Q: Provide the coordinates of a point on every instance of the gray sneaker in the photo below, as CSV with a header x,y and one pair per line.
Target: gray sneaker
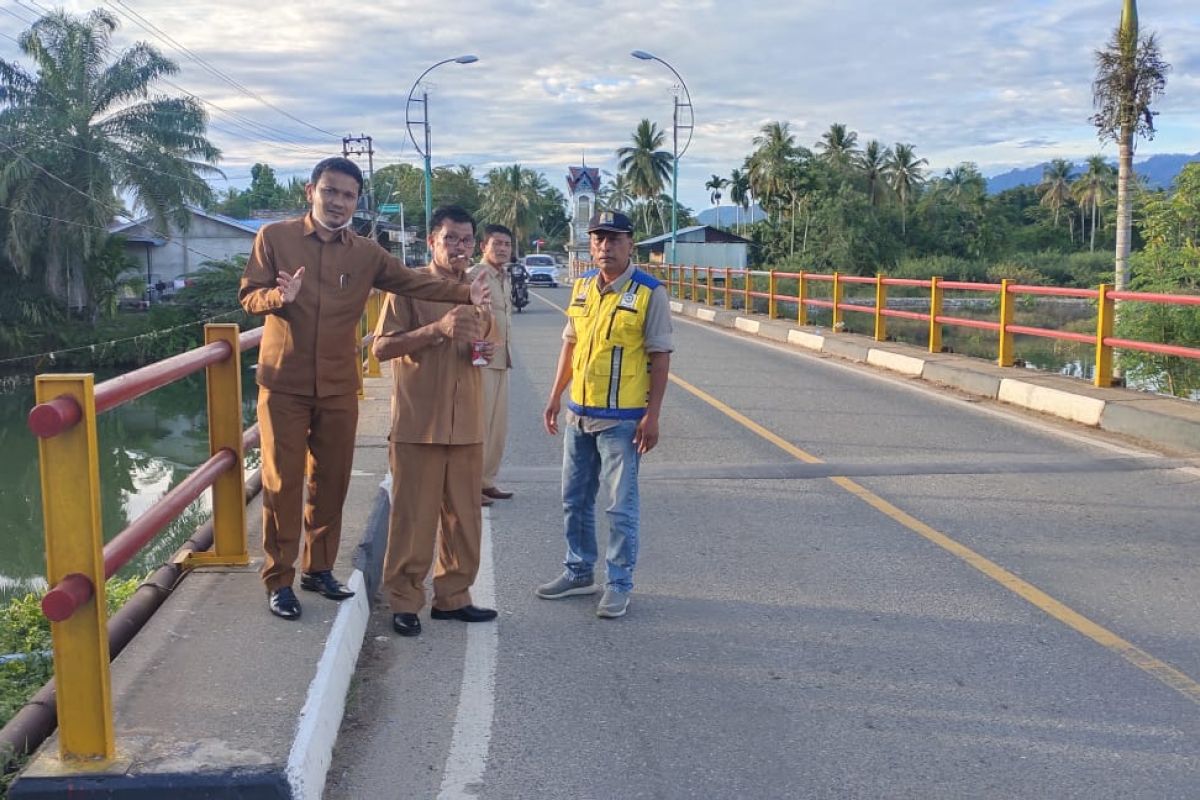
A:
x,y
566,586
613,604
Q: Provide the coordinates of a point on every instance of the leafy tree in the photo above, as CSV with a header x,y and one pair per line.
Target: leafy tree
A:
x,y
646,166
1130,75
905,173
739,193
714,185
616,194
768,165
111,274
838,147
512,198
1092,189
1055,188
873,165
83,129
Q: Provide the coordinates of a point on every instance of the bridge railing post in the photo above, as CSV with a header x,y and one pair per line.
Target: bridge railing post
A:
x,y
708,284
695,294
1106,312
836,323
224,381
771,294
747,301
70,476
935,311
728,288
374,308
1006,357
802,298
880,305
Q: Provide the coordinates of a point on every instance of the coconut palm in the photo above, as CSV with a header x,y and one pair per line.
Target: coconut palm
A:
x,y
512,198
1092,189
1130,75
872,162
616,194
646,166
775,147
905,173
714,185
739,193
82,130
838,146
1055,188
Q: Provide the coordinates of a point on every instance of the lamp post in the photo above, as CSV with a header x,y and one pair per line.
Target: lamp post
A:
x,y
423,100
676,153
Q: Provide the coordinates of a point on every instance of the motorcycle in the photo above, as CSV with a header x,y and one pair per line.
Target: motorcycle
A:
x,y
520,285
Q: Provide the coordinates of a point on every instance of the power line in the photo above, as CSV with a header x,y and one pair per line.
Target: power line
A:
x,y
11,13
164,36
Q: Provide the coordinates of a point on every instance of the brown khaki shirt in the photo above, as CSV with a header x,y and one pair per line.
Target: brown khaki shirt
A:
x,y
500,284
437,395
310,346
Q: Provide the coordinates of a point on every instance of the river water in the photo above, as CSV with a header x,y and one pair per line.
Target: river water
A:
x,y
145,448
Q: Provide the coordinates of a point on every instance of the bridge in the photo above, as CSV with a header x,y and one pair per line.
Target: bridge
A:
x,y
866,571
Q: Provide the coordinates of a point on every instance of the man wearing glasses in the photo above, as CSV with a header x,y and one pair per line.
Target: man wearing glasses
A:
x,y
436,439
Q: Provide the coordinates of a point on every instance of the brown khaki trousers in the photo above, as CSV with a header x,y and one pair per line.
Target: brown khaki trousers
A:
x,y
435,496
303,434
495,422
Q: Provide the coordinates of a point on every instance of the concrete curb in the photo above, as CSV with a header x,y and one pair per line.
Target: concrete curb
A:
x,y
321,717
1162,421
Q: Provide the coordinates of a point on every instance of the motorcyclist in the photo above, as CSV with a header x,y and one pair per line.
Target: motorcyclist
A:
x,y
519,277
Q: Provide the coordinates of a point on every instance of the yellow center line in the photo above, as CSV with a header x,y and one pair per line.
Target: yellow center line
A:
x,y
1023,589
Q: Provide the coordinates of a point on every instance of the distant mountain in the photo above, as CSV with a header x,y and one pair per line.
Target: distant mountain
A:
x,y
728,216
1159,171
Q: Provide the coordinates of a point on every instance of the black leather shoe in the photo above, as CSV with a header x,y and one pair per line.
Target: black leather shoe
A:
x,y
406,624
466,614
325,584
497,493
283,603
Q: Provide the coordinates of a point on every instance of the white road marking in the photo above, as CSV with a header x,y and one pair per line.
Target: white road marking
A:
x,y
462,778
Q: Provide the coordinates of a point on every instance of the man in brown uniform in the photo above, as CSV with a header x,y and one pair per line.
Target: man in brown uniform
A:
x,y
497,250
437,438
308,371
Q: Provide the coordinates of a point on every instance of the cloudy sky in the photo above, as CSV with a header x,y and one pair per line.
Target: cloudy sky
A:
x,y
1002,84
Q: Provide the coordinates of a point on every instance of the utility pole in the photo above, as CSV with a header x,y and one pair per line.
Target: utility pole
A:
x,y
362,144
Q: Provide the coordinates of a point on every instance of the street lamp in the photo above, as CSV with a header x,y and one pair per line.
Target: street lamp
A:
x,y
424,122
676,153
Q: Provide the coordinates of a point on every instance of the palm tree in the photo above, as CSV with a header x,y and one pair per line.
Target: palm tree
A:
x,y
82,131
873,163
1092,189
1130,75
616,194
838,146
646,166
511,198
739,193
905,173
1055,187
714,185
768,164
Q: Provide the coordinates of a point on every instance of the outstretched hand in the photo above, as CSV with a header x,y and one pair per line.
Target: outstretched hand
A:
x,y
289,285
481,295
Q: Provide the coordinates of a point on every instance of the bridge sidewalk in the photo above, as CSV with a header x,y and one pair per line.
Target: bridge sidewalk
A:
x,y
215,697
1163,422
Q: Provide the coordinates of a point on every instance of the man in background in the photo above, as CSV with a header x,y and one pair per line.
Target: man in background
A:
x,y
497,250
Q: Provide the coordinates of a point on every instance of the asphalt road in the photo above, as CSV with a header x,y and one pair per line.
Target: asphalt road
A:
x,y
988,605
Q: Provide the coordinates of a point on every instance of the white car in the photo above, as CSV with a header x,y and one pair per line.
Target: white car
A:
x,y
543,270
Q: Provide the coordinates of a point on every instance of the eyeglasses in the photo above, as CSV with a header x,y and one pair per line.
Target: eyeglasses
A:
x,y
462,240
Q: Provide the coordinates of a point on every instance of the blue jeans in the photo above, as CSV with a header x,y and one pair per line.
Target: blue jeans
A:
x,y
606,461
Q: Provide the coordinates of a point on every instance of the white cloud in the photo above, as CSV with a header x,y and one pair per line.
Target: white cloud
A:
x,y
998,82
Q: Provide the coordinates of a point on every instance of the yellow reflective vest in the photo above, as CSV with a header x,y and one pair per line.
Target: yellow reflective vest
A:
x,y
610,369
